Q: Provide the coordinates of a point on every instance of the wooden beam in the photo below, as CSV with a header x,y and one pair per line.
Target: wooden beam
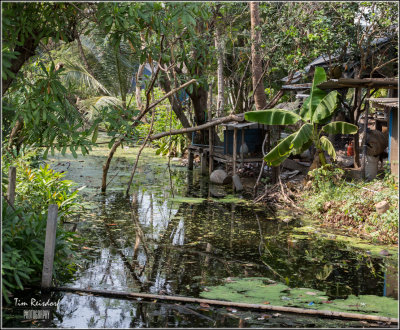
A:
x,y
284,309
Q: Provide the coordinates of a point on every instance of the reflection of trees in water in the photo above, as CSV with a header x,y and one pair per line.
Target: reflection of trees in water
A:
x,y
325,265
179,269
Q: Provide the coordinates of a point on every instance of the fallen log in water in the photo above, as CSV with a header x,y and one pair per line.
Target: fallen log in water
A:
x,y
135,295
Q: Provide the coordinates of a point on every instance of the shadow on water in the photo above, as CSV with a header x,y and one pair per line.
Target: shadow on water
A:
x,y
155,243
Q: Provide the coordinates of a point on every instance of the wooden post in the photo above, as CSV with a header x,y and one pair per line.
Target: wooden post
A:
x,y
49,247
242,153
234,149
363,165
204,163
211,154
191,158
12,179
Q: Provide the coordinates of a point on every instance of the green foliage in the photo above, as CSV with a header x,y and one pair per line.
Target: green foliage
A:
x,y
49,119
32,22
318,108
344,204
23,230
164,120
325,177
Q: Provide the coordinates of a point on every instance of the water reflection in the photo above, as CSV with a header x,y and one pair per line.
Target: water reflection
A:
x,y
148,243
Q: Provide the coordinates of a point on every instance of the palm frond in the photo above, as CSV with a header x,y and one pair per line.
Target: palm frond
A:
x,y
78,73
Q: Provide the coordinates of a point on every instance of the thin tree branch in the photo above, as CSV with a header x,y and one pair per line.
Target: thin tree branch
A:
x,y
200,127
140,151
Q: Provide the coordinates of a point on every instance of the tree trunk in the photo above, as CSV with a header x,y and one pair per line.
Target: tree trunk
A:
x,y
219,45
106,166
199,101
26,51
15,131
121,80
138,93
356,117
175,104
260,99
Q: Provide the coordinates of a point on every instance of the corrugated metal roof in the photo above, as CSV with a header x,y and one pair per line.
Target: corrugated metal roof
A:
x,y
297,86
386,102
240,125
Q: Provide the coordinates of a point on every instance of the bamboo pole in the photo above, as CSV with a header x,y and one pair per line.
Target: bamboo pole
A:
x,y
135,295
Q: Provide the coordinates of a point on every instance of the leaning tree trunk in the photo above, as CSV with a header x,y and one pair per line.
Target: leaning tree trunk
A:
x,y
175,104
260,98
106,166
25,51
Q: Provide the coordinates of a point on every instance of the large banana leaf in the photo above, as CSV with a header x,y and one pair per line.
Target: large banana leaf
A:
x,y
278,154
303,135
303,148
273,117
276,162
316,95
327,146
340,127
325,108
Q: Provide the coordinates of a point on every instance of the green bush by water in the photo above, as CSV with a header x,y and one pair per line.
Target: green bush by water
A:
x,y
352,204
24,227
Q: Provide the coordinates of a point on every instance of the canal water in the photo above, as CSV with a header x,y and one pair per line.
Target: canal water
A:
x,y
172,236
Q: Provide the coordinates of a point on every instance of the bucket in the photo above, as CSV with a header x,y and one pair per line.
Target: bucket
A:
x,y
371,167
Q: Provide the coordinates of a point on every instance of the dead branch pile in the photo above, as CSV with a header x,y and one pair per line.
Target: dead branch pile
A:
x,y
278,195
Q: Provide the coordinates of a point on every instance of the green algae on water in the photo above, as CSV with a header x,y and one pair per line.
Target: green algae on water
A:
x,y
189,200
229,199
260,290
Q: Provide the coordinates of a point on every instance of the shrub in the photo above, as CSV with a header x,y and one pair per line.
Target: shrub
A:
x,y
343,204
24,226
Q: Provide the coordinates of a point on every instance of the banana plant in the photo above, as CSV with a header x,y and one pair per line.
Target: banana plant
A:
x,y
317,110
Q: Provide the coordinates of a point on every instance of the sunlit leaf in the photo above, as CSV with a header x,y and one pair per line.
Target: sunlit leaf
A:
x,y
340,127
273,117
327,146
326,107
